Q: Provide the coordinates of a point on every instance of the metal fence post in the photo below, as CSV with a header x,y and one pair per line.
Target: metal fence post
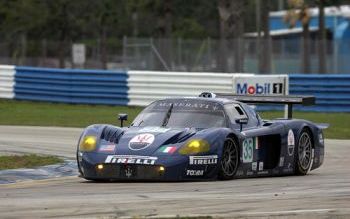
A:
x,y
125,42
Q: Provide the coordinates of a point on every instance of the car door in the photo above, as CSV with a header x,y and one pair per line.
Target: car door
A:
x,y
261,148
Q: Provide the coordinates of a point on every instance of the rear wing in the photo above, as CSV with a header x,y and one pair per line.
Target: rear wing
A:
x,y
288,100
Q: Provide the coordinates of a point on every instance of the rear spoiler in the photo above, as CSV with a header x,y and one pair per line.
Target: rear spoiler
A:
x,y
322,125
289,100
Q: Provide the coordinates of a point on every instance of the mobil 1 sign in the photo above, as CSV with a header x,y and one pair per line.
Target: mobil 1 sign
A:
x,y
261,84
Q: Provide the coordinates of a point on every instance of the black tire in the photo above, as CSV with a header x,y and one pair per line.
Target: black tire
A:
x,y
229,160
303,153
77,157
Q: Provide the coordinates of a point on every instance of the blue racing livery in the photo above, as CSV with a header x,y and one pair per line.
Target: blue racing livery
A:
x,y
199,138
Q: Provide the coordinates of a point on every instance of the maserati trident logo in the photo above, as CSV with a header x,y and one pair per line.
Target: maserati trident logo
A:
x,y
141,141
128,172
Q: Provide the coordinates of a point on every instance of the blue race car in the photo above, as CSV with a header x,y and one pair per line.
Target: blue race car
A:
x,y
213,136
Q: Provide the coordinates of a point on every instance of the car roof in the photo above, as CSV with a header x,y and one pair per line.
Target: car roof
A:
x,y
215,100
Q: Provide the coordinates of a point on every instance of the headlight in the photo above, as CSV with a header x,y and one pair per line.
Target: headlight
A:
x,y
88,143
195,146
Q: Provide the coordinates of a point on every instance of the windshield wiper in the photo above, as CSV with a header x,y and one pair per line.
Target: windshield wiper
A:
x,y
167,115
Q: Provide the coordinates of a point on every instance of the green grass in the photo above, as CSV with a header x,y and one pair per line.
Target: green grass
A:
x,y
76,115
26,161
56,114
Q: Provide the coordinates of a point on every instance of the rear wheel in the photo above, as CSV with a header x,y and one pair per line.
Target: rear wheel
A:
x,y
304,153
229,160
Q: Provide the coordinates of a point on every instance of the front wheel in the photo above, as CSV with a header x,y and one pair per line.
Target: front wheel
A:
x,y
229,160
304,153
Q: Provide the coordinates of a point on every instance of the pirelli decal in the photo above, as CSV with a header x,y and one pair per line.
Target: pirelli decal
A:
x,y
131,159
203,160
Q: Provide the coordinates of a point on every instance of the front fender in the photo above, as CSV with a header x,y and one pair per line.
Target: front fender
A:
x,y
99,131
216,138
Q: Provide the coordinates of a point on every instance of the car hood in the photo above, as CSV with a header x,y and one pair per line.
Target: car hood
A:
x,y
147,140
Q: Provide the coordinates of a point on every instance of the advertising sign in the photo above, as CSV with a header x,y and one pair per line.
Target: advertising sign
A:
x,y
78,53
260,84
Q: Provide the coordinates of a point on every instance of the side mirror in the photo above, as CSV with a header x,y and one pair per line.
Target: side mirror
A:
x,y
241,122
122,117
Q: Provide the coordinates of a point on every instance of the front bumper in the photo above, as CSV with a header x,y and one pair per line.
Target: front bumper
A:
x,y
165,169
125,172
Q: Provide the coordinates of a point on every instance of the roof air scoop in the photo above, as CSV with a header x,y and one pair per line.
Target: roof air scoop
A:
x,y
207,95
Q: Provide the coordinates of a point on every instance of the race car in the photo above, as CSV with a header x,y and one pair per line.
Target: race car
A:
x,y
213,136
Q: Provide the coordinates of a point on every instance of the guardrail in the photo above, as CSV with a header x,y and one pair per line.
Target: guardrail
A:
x,y
332,91
71,86
7,82
148,86
139,88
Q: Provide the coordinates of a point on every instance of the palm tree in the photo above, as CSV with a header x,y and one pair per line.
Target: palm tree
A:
x,y
299,12
322,31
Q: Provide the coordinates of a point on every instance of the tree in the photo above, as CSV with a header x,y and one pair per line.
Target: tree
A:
x,y
20,18
61,24
195,19
322,62
231,29
164,31
103,17
265,52
299,12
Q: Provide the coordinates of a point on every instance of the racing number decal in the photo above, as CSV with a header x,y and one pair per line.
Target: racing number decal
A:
x,y
248,147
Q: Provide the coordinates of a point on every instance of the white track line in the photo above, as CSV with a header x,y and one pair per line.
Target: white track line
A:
x,y
291,211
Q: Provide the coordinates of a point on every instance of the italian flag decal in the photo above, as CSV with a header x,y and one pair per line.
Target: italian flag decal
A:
x,y
167,149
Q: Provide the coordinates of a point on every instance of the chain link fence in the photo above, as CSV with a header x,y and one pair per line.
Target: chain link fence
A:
x,y
209,55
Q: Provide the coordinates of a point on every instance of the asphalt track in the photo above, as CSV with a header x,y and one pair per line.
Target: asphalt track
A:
x,y
324,193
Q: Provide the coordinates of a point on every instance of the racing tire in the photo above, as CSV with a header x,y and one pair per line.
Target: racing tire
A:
x,y
303,154
229,160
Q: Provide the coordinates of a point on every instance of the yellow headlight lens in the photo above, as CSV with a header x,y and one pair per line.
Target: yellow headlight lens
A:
x,y
88,143
195,146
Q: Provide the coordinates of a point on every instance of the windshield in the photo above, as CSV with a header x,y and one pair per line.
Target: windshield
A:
x,y
182,113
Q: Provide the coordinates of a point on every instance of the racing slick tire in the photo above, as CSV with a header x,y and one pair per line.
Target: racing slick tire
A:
x,y
229,160
303,156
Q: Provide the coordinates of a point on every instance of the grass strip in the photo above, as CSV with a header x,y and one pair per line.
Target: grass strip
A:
x,y
27,161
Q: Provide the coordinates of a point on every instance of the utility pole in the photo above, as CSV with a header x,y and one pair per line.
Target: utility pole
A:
x,y
258,25
322,67
265,49
280,5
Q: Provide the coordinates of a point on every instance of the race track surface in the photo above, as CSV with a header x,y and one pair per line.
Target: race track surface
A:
x,y
323,193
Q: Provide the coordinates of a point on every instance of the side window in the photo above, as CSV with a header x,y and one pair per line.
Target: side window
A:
x,y
253,118
234,111
239,110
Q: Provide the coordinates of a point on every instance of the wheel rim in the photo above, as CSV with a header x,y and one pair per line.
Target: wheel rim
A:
x,y
304,150
229,159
